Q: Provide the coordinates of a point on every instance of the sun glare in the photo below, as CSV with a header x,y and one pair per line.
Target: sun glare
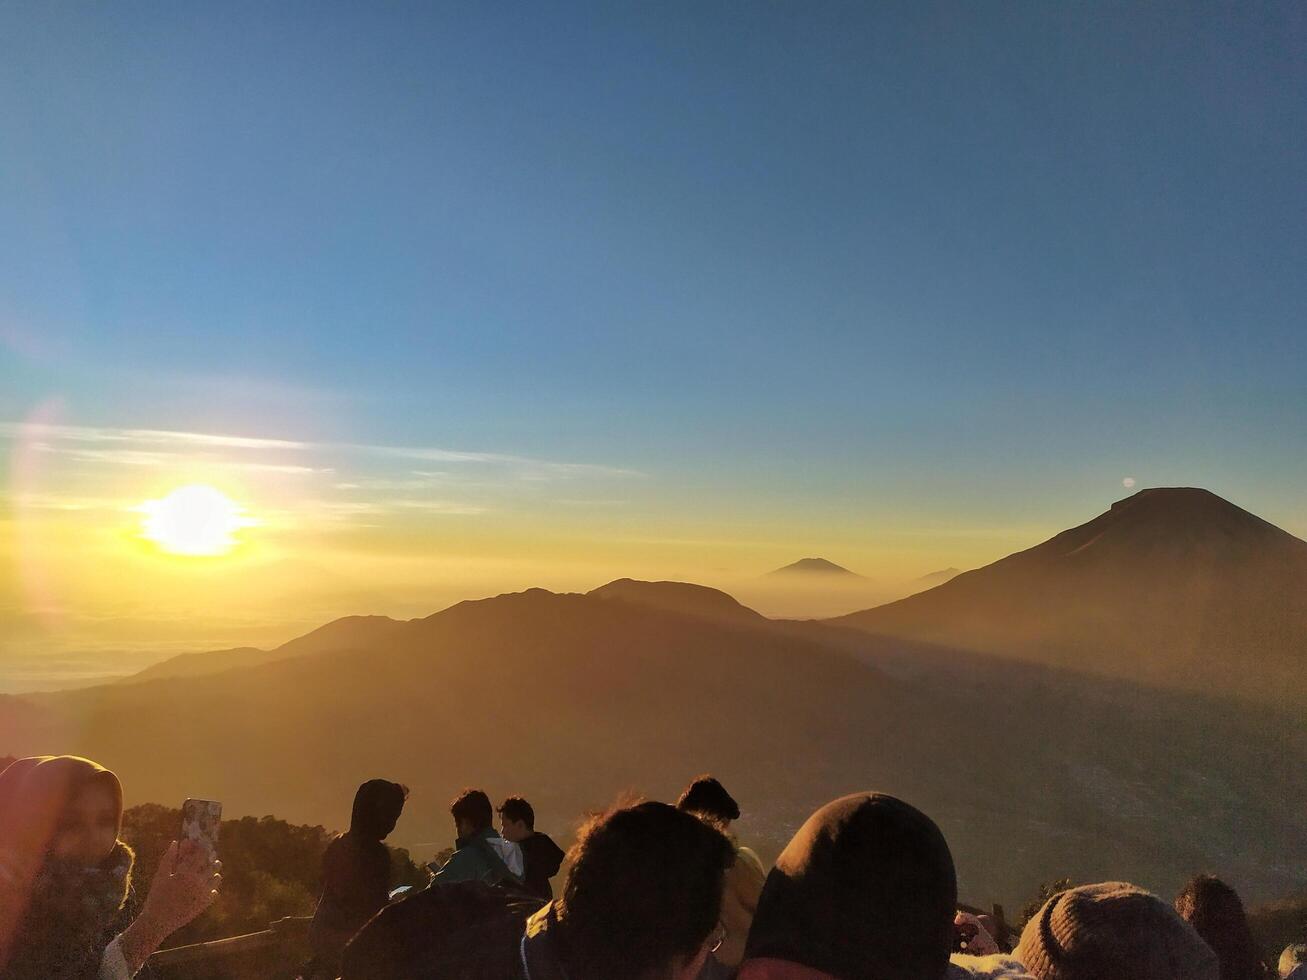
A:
x,y
194,520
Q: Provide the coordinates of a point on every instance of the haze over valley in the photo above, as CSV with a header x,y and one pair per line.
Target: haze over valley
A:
x,y
791,711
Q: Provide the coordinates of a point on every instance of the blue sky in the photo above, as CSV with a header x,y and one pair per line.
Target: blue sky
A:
x,y
796,264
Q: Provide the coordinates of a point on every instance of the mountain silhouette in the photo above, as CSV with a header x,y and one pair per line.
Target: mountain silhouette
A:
x,y
347,633
680,597
932,579
1172,586
572,700
814,566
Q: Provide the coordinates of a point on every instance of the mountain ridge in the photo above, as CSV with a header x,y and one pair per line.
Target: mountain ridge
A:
x,y
573,699
1170,584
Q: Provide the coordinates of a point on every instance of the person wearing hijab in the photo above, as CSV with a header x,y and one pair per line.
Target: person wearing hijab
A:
x,y
865,890
355,873
66,900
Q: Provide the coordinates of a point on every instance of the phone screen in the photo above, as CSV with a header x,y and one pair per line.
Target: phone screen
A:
x,y
200,820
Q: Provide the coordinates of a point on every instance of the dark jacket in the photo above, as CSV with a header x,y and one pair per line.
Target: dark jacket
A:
x,y
461,931
355,886
543,859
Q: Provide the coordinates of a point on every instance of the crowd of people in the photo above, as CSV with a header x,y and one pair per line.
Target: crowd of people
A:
x,y
865,890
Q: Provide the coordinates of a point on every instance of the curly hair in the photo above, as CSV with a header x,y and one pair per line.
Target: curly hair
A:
x,y
1214,910
645,887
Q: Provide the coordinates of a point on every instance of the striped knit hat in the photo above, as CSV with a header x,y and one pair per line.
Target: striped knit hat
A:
x,y
1113,931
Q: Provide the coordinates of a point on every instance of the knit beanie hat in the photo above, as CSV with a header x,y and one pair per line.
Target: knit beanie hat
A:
x,y
1113,931
865,891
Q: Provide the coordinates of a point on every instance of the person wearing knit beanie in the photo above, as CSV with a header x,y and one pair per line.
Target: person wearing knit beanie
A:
x,y
1113,931
865,891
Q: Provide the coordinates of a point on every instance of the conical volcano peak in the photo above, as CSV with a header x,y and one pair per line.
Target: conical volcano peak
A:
x,y
1190,514
1173,586
1195,499
814,566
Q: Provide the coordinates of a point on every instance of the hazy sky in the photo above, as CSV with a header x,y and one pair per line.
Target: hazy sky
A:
x,y
511,294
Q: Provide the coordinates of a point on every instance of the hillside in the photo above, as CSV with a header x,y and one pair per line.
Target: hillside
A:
x,y
680,597
1174,587
572,699
347,633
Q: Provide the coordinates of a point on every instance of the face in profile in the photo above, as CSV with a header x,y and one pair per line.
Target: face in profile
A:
x,y
89,826
514,830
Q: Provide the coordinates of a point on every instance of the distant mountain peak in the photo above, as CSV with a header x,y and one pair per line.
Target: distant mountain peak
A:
x,y
814,566
943,575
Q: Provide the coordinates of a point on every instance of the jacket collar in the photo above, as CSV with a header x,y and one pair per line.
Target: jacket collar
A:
x,y
485,833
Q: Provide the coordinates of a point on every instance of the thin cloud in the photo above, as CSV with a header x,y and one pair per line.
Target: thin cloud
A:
x,y
140,437
149,447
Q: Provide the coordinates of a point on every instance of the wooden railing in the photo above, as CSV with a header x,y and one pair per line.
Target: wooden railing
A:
x,y
279,951
276,953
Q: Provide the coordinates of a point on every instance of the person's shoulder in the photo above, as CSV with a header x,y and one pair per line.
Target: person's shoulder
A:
x,y
547,842
748,856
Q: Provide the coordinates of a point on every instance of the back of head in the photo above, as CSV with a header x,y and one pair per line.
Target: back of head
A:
x,y
1293,961
473,807
1116,930
517,809
1213,908
865,890
645,887
377,806
707,796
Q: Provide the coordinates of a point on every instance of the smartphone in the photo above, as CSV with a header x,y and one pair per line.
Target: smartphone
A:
x,y
964,934
200,819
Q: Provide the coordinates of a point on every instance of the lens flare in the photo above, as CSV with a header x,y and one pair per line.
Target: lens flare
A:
x,y
194,520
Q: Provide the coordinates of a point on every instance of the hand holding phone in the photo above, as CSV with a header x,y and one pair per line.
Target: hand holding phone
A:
x,y
200,822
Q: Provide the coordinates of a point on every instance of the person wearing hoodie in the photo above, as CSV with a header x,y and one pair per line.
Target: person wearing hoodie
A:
x,y
1214,910
1113,929
67,907
865,890
541,857
480,854
355,874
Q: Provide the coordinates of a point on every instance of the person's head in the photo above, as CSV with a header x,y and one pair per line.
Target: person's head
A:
x,y
866,889
377,806
517,821
1113,929
61,807
472,812
1293,962
1213,908
644,894
707,796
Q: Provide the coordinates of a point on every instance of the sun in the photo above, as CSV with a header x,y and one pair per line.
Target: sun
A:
x,y
194,520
